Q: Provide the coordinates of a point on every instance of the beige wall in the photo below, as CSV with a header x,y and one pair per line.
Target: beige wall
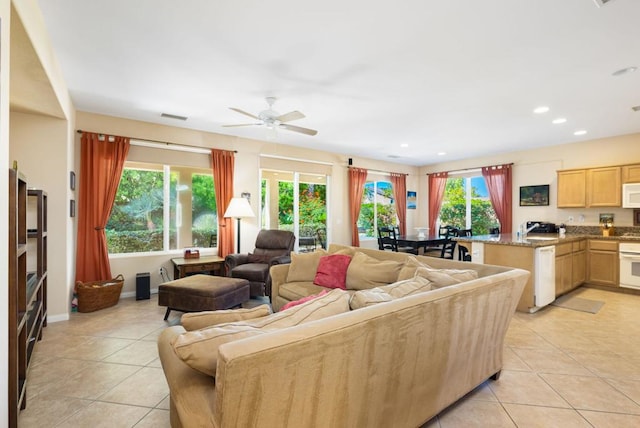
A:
x,y
246,179
5,13
539,166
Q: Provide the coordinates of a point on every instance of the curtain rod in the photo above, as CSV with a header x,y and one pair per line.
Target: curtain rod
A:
x,y
377,171
80,131
460,171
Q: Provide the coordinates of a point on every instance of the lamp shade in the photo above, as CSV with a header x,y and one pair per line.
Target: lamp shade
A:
x,y
239,208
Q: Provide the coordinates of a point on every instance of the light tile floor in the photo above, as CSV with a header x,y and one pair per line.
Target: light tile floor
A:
x,y
563,368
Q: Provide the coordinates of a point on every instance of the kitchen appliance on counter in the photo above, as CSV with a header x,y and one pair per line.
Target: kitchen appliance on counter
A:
x,y
543,227
629,253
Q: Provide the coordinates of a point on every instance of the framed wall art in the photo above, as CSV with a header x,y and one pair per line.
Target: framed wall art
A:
x,y
532,196
412,200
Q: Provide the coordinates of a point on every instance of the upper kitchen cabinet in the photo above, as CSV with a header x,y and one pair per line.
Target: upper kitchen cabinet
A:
x,y
631,173
594,187
604,187
572,185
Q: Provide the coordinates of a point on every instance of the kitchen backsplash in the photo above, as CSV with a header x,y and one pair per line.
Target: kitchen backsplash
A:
x,y
596,230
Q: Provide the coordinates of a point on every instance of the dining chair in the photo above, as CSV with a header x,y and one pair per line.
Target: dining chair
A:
x,y
463,252
387,239
465,232
402,248
448,249
494,231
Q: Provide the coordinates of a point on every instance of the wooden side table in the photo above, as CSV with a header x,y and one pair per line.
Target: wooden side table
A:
x,y
203,264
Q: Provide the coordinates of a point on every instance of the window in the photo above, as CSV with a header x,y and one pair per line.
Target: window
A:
x,y
296,202
378,208
466,205
161,208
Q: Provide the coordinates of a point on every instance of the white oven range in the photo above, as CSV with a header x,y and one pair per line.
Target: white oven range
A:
x,y
629,265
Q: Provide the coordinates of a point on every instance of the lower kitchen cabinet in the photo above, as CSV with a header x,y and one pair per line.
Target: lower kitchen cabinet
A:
x,y
564,262
603,262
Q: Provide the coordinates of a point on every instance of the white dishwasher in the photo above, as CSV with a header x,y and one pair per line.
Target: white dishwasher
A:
x,y
544,287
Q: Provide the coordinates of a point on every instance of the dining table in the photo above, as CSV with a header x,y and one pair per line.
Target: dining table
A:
x,y
420,242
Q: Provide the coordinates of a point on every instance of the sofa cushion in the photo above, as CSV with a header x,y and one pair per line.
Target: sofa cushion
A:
x,y
368,272
332,271
199,348
443,277
197,320
303,300
298,290
408,270
386,293
303,266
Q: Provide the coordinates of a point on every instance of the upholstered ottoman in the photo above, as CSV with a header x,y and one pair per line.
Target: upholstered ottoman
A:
x,y
202,293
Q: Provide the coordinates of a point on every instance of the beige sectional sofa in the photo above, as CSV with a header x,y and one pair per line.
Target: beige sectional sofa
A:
x,y
392,364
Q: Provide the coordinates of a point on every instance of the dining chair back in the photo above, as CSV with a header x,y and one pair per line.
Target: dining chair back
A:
x,y
465,232
463,254
448,249
387,239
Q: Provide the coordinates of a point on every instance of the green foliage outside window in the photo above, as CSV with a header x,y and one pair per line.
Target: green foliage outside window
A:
x,y
312,210
453,210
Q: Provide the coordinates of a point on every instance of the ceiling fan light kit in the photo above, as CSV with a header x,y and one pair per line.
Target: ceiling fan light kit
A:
x,y
272,120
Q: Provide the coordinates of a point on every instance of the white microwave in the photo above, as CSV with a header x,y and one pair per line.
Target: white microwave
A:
x,y
631,195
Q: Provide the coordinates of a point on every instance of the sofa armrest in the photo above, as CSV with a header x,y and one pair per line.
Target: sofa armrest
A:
x,y
233,260
192,392
278,274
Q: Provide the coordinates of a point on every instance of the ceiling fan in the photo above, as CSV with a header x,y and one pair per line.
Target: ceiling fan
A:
x,y
274,120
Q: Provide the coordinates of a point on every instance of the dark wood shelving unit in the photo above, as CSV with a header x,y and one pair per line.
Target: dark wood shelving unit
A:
x,y
27,288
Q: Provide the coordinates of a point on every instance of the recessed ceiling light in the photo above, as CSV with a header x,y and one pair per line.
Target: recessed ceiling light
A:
x,y
442,153
404,145
558,120
580,132
623,71
541,109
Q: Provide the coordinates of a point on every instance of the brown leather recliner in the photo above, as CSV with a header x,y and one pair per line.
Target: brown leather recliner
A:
x,y
272,247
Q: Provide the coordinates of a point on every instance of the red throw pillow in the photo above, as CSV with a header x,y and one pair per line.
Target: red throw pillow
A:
x,y
303,300
332,271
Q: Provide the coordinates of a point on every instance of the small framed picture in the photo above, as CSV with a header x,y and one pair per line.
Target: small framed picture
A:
x,y
411,200
72,180
531,196
72,208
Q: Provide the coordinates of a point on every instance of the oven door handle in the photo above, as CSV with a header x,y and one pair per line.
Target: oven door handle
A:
x,y
631,256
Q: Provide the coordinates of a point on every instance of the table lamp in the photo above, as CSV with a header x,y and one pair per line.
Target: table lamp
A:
x,y
239,208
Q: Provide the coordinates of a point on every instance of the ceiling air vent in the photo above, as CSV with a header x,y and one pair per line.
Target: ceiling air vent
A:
x,y
601,3
635,108
173,116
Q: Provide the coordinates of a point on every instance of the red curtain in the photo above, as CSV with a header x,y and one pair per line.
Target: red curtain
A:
x,y
499,183
437,183
399,183
222,163
357,180
102,160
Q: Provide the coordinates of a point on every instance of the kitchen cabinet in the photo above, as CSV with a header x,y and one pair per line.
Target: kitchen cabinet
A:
x,y
518,257
631,173
590,188
572,186
578,263
603,263
604,187
564,262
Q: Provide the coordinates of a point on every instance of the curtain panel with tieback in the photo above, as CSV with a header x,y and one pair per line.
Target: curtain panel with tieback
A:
x,y
102,159
399,184
357,180
499,184
437,184
222,163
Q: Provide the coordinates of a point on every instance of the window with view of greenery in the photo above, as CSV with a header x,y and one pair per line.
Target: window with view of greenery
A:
x,y
161,208
378,208
466,205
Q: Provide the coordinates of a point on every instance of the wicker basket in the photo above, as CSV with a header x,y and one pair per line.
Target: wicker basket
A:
x,y
96,295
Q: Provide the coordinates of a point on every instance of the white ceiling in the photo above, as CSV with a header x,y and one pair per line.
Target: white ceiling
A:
x,y
459,76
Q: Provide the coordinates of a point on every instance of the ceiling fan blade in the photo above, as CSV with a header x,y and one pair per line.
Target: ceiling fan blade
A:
x,y
244,112
241,124
293,115
299,129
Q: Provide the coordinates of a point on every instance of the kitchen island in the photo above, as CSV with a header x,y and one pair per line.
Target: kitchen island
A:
x,y
578,259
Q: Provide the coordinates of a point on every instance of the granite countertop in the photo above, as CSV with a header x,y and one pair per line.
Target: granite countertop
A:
x,y
540,239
